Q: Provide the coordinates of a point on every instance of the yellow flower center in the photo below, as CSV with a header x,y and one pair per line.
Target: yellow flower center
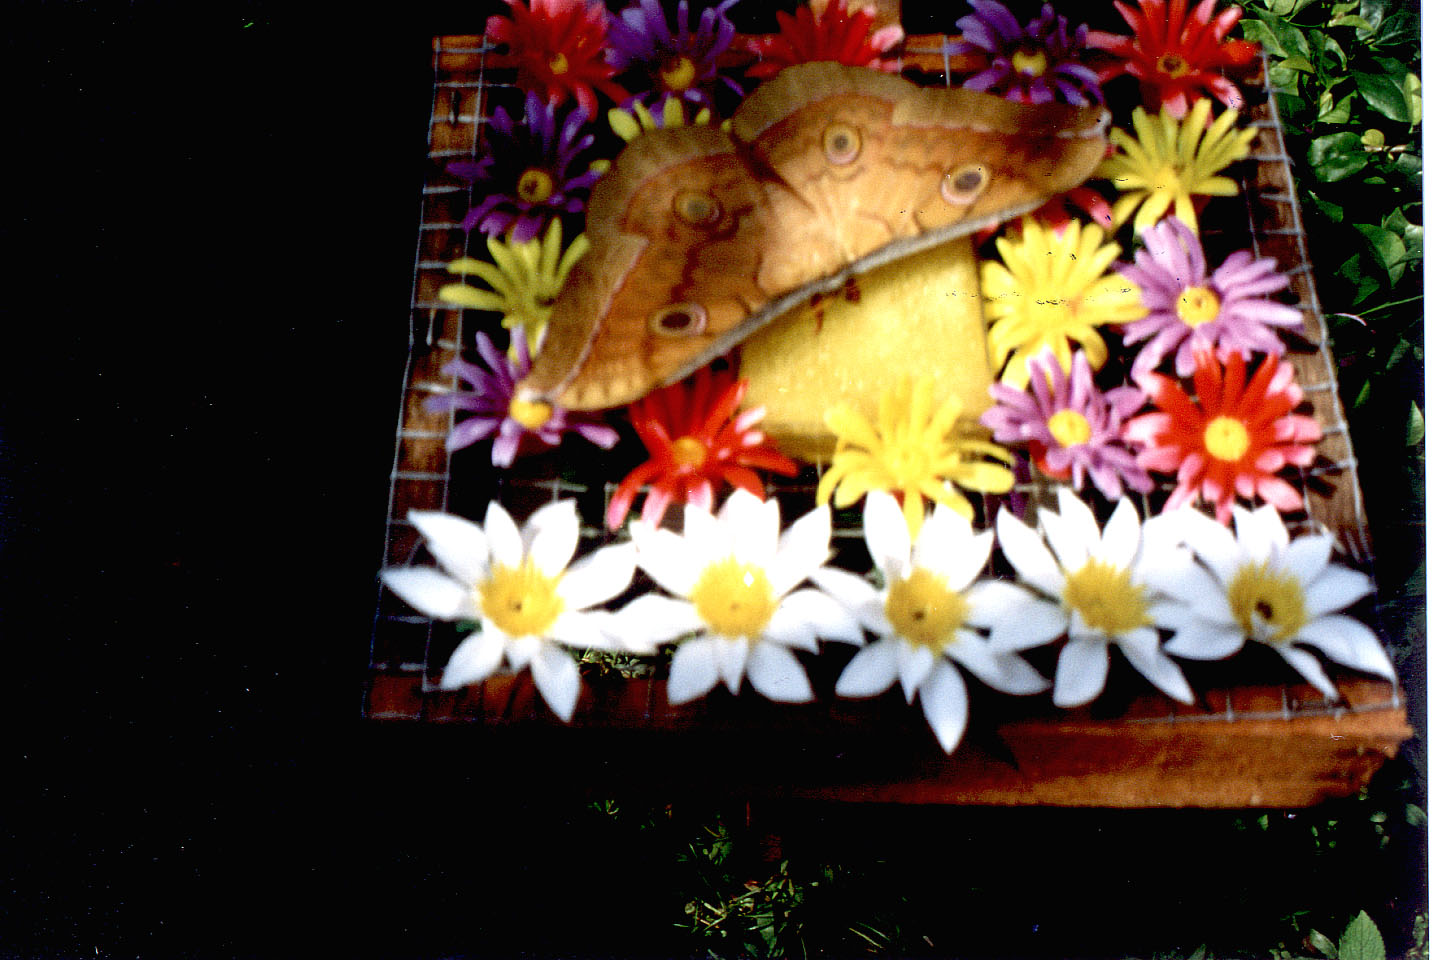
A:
x,y
733,598
532,415
559,64
1226,439
1032,63
521,600
1069,427
1052,314
1172,65
1267,603
1167,180
924,611
1197,305
678,74
1106,598
688,453
535,186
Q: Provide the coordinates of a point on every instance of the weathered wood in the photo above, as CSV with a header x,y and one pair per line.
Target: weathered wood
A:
x,y
1256,747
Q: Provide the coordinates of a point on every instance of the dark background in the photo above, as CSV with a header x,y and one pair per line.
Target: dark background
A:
x,y
209,240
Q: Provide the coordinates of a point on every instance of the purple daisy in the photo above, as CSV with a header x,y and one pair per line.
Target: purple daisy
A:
x,y
681,62
496,412
1039,64
1191,310
526,170
1072,428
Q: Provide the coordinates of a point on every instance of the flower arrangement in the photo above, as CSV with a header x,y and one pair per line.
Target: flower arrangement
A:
x,y
1124,366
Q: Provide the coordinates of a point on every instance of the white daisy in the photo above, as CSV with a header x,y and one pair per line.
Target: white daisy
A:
x,y
1259,585
926,612
516,584
736,576
1107,587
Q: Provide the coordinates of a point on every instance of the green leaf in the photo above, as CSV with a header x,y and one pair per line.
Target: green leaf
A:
x,y
1388,249
1352,21
1415,432
1330,211
1324,944
1411,86
1415,816
1361,940
1384,93
1336,156
1372,138
1258,31
1332,112
1296,63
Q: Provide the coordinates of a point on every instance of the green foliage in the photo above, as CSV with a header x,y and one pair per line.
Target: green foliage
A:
x,y
1350,101
1361,940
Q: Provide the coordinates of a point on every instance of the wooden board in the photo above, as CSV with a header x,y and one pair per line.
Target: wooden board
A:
x,y
1270,745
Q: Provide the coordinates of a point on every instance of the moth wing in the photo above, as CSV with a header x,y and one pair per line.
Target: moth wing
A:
x,y
677,229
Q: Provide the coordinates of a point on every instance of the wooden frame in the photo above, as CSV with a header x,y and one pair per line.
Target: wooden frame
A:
x,y
1278,745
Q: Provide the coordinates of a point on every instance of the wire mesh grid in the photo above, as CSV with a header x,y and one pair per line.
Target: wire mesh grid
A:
x,y
1265,216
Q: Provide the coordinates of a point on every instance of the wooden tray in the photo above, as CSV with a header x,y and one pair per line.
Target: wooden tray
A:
x,y
1272,745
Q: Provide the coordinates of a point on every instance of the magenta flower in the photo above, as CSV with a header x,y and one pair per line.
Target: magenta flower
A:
x,y
496,411
1191,310
1038,64
680,62
1072,428
526,171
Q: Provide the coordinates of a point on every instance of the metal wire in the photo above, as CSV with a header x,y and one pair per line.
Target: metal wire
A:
x,y
439,330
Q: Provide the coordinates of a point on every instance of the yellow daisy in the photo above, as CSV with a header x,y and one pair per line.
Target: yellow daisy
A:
x,y
910,450
1051,290
1167,162
525,279
630,123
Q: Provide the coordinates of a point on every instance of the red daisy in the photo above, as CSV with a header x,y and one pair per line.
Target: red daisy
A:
x,y
1232,439
697,438
558,49
834,34
1176,55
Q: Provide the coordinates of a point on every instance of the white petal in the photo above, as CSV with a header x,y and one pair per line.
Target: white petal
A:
x,y
1079,519
584,629
887,535
651,620
752,527
1157,668
947,546
1018,620
806,614
802,550
506,545
1205,641
667,558
855,594
1186,580
704,536
1080,672
551,535
1261,534
1026,552
457,544
1349,643
1308,667
1120,543
915,664
1335,589
1070,549
475,659
730,656
1005,672
946,705
519,651
598,576
1307,557
693,670
1212,542
775,673
871,671
431,592
557,678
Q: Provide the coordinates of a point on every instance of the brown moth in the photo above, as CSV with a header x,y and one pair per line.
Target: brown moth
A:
x,y
698,237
